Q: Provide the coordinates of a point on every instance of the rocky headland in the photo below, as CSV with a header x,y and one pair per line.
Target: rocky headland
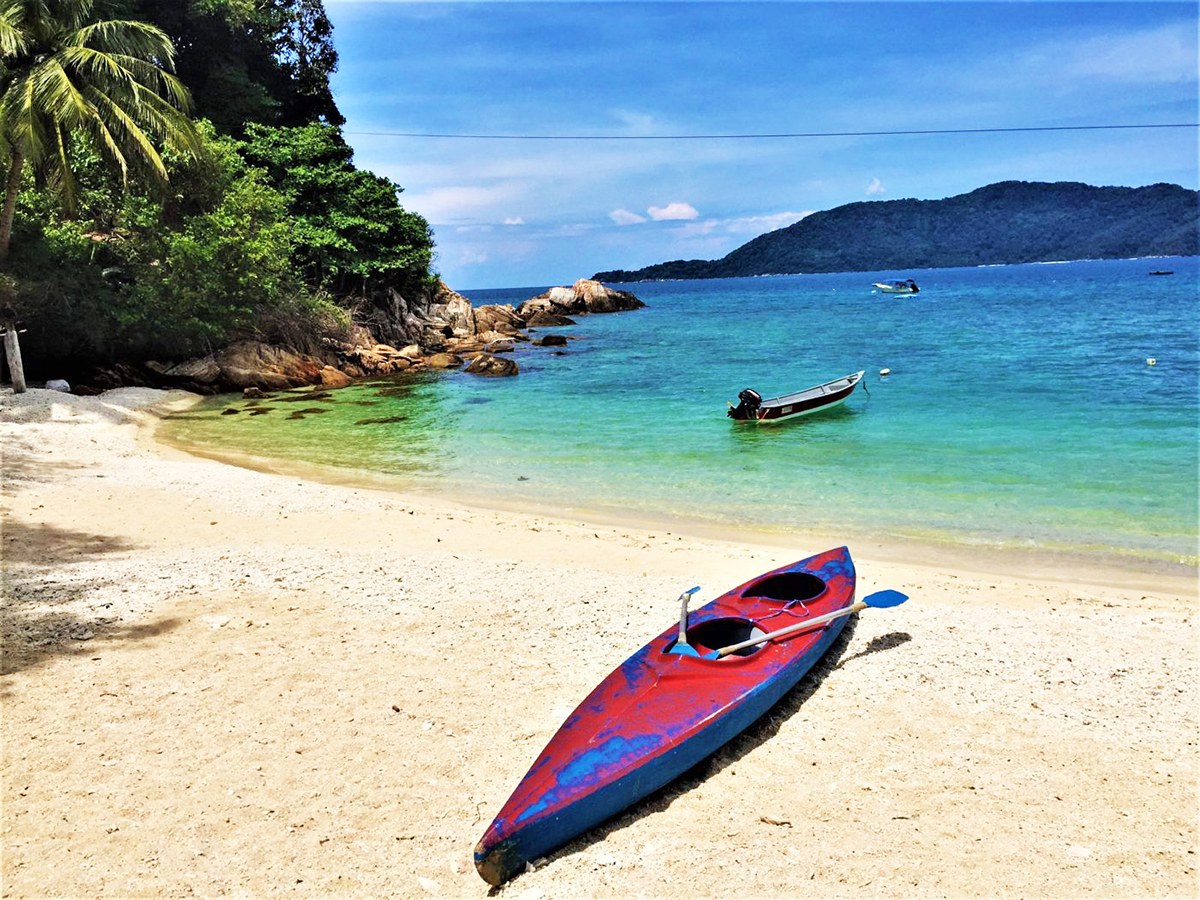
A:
x,y
445,332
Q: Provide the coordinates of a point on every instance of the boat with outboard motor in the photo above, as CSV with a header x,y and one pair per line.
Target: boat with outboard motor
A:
x,y
898,287
673,703
753,408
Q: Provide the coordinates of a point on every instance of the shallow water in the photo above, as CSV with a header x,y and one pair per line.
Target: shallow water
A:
x,y
1020,411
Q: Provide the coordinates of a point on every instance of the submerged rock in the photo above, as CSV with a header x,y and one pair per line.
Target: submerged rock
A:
x,y
382,420
493,366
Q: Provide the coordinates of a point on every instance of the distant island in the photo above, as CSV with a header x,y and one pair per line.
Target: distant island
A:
x,y
1004,223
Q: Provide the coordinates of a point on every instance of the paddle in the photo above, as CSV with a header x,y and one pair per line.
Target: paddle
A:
x,y
682,647
879,600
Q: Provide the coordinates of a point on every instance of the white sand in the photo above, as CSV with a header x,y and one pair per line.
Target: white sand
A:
x,y
221,681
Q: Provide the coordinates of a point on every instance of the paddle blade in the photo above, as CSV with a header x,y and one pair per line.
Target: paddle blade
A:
x,y
884,599
681,649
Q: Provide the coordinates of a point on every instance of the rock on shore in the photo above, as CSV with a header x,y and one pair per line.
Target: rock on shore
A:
x,y
451,333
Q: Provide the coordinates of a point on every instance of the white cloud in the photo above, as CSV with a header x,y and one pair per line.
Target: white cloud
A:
x,y
875,187
1160,55
752,225
452,204
625,217
673,212
514,221
763,224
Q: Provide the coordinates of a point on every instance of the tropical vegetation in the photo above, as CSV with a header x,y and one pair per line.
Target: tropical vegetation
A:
x,y
178,180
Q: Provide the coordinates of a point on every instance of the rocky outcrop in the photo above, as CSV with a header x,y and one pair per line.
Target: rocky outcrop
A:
x,y
438,330
502,319
585,296
242,365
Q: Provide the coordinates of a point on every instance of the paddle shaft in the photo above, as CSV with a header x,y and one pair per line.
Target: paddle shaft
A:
x,y
799,626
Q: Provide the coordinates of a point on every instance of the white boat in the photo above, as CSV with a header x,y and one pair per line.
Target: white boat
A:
x,y
898,287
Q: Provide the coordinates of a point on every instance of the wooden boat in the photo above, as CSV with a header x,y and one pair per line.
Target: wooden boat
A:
x,y
898,287
660,712
752,407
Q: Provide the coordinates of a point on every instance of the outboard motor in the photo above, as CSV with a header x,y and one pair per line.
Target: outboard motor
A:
x,y
748,406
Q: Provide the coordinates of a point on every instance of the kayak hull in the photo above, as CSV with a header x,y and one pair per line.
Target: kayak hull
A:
x,y
659,714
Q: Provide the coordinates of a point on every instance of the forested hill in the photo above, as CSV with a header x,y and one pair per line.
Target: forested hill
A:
x,y
1008,222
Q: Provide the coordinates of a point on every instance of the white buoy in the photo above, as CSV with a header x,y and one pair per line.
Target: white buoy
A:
x,y
884,373
1151,361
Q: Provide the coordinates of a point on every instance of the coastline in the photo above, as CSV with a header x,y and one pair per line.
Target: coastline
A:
x,y
315,687
1103,567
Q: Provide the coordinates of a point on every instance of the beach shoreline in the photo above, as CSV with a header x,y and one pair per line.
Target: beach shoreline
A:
x,y
221,680
1103,567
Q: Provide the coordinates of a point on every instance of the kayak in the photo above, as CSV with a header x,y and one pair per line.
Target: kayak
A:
x,y
661,712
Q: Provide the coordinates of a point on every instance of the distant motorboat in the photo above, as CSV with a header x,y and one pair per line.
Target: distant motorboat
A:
x,y
1160,272
754,408
898,287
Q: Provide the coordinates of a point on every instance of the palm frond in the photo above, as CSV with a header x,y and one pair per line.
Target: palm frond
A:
x,y
12,38
66,179
118,120
126,36
57,96
20,119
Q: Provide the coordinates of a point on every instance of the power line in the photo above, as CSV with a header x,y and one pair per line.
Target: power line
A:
x,y
744,137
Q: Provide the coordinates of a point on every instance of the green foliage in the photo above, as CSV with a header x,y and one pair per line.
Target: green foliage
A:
x,y
210,238
352,235
265,61
1009,222
207,281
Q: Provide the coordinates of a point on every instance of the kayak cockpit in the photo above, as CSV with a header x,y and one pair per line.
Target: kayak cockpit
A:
x,y
786,587
714,634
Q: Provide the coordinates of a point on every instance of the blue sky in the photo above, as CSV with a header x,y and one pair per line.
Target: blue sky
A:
x,y
510,213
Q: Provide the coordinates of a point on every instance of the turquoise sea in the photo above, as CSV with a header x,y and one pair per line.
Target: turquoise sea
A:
x,y
1020,412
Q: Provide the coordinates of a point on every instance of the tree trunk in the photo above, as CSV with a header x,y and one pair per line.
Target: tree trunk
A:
x,y
12,349
10,201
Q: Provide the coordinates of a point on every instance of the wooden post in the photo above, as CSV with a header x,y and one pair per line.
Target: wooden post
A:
x,y
12,349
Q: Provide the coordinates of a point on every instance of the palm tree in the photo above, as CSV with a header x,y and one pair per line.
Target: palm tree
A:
x,y
61,71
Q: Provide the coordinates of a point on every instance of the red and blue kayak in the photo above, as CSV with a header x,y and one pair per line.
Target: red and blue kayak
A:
x,y
660,713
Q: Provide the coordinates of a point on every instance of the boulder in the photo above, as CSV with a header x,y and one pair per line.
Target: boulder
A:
x,y
489,336
444,361
545,319
491,366
551,340
332,377
255,364
497,317
203,370
450,313
596,298
585,296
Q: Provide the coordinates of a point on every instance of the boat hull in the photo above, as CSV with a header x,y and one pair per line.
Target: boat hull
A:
x,y
659,714
801,403
778,413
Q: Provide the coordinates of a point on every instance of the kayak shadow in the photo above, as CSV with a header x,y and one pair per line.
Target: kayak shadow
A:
x,y
750,739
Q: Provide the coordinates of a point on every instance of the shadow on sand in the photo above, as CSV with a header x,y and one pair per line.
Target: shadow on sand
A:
x,y
39,613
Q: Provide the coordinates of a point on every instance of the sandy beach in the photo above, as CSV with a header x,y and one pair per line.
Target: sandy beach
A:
x,y
219,681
